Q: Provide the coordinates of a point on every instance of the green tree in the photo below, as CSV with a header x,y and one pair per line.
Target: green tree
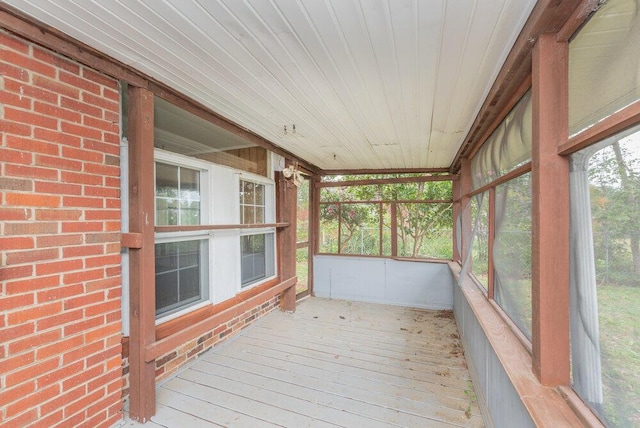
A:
x,y
615,195
417,223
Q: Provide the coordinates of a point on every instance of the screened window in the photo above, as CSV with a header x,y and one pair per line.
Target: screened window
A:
x,y
480,245
181,258
603,64
408,219
605,278
512,251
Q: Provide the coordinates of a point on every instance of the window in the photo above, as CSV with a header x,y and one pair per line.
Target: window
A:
x,y
181,272
408,219
177,195
257,257
512,251
604,55
605,277
480,244
499,248
257,247
252,202
182,258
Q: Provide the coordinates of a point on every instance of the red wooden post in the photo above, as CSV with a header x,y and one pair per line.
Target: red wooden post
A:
x,y
142,260
287,201
550,213
314,229
464,185
492,237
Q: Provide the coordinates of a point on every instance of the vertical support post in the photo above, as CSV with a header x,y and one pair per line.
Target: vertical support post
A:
x,y
550,213
464,185
339,204
314,231
491,239
287,201
142,260
457,211
394,229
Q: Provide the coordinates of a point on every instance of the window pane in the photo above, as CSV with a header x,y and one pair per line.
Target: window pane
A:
x,y
259,194
167,211
257,258
259,215
302,213
189,212
605,278
329,228
189,184
386,230
177,195
425,230
302,269
360,229
249,195
508,147
248,216
512,251
181,275
166,180
166,291
480,247
603,64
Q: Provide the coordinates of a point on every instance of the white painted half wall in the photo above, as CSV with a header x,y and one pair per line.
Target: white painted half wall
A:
x,y
427,285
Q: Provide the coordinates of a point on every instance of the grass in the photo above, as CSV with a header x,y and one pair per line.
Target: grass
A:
x,y
620,349
302,269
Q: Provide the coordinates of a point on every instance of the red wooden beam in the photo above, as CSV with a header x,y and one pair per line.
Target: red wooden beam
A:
x,y
142,260
287,203
550,213
465,211
372,181
491,274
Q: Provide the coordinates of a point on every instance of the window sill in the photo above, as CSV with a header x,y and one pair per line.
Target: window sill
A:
x,y
547,406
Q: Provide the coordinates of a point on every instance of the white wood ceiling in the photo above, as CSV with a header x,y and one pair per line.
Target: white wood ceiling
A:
x,y
368,84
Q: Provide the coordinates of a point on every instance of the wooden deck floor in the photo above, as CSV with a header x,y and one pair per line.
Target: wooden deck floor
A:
x,y
332,363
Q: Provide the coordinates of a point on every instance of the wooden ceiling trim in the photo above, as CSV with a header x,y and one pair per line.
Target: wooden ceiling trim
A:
x,y
382,171
548,16
29,28
372,181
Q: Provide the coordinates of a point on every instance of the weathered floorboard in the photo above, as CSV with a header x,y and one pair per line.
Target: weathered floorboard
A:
x,y
332,363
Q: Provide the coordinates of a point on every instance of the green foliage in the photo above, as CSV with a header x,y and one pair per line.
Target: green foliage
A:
x,y
423,229
614,176
620,341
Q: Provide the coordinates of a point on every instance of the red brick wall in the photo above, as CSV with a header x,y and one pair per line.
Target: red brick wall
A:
x,y
171,362
60,352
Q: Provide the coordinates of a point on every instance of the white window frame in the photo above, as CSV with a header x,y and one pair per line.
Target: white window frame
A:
x,y
269,217
206,214
272,257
